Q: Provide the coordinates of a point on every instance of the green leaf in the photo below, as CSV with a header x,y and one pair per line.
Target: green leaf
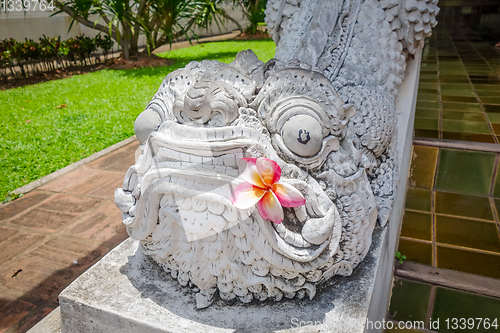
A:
x,y
11,196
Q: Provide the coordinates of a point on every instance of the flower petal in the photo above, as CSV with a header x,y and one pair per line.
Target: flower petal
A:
x,y
262,211
249,172
271,208
269,171
246,195
288,195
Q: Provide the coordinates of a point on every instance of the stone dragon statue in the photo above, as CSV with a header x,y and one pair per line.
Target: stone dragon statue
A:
x,y
323,110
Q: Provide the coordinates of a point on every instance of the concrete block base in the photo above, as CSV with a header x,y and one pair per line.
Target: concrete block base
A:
x,y
128,292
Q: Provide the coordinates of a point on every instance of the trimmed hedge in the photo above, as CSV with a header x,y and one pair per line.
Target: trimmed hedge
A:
x,y
30,58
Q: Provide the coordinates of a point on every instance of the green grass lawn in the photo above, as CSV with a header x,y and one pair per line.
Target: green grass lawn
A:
x,y
38,138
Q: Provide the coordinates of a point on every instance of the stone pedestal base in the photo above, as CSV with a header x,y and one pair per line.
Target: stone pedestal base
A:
x,y
127,292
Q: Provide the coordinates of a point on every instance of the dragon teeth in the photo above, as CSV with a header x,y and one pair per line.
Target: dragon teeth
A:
x,y
215,208
199,205
230,214
230,160
183,202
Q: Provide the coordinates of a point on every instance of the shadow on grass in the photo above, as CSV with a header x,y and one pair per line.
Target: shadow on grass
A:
x,y
223,51
179,62
149,71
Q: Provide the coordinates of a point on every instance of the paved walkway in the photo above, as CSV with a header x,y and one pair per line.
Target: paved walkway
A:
x,y
54,233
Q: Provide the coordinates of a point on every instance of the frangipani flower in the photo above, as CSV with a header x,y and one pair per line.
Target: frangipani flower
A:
x,y
261,187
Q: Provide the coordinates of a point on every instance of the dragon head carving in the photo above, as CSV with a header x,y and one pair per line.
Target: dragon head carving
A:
x,y
331,139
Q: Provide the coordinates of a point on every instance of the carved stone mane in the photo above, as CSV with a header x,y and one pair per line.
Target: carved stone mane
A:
x,y
322,109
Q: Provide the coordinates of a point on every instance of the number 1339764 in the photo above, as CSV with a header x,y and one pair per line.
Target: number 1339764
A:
x,y
26,5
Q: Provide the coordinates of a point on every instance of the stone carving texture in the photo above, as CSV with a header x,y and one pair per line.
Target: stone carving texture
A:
x,y
335,76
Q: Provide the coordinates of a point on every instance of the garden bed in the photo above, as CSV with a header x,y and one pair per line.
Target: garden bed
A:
x,y
140,61
49,76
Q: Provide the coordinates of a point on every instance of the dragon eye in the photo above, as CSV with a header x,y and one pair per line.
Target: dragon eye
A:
x,y
303,135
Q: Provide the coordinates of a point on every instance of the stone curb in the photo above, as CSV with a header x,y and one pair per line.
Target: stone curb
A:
x,y
39,182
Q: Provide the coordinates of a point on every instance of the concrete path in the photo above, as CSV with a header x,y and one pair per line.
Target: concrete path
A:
x,y
56,232
180,45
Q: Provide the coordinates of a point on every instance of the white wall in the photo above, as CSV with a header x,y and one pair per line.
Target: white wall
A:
x,y
34,25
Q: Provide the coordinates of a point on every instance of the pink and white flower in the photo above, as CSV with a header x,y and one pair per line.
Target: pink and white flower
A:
x,y
261,187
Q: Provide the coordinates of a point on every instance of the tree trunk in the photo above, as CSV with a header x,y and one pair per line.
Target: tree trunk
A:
x,y
133,43
129,45
125,48
134,48
150,43
140,14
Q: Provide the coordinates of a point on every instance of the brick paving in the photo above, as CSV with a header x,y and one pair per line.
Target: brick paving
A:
x,y
56,232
